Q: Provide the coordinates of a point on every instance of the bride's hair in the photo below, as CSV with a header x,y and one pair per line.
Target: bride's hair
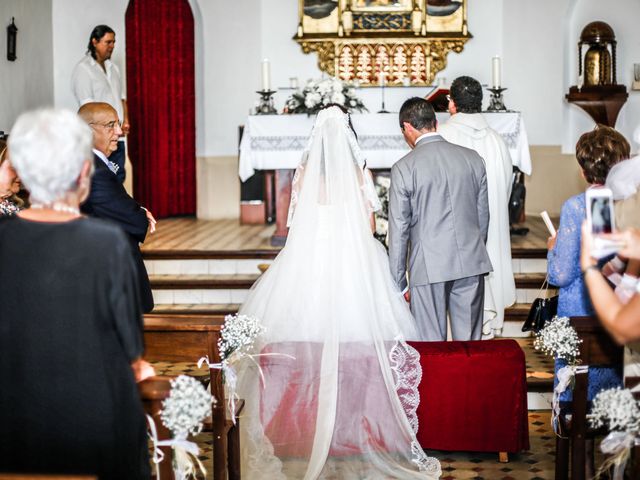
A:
x,y
346,112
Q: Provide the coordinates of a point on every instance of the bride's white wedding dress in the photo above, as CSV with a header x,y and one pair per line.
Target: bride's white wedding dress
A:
x,y
344,407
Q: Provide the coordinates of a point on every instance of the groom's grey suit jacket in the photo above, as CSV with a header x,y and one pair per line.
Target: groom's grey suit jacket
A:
x,y
438,214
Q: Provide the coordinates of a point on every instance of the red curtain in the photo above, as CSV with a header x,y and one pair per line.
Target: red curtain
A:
x,y
161,100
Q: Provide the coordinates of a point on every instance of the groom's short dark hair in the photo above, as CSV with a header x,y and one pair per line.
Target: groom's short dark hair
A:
x,y
419,113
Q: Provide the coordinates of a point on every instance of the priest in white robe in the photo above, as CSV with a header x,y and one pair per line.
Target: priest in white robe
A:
x,y
468,127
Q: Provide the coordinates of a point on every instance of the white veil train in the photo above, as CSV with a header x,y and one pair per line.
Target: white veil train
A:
x,y
344,407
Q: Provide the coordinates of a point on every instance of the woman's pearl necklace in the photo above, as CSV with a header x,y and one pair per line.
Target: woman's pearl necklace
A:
x,y
58,207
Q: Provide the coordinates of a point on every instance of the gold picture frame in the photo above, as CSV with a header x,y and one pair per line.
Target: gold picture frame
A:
x,y
372,41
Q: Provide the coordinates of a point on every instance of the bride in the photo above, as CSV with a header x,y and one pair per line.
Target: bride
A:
x,y
338,398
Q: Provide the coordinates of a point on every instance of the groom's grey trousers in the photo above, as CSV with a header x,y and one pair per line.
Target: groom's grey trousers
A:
x,y
462,298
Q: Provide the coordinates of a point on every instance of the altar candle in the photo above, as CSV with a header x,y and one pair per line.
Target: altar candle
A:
x,y
266,75
495,64
382,77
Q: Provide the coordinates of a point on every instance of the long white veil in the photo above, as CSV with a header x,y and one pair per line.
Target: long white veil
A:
x,y
344,406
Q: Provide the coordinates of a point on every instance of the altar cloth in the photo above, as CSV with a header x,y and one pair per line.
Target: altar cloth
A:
x,y
273,142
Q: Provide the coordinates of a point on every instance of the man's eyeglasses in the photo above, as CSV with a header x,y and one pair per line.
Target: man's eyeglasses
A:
x,y
108,125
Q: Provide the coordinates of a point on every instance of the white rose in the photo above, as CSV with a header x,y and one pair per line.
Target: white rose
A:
x,y
338,98
312,100
384,181
382,226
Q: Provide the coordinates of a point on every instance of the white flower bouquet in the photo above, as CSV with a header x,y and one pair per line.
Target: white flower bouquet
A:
x,y
617,410
559,339
182,413
317,94
238,335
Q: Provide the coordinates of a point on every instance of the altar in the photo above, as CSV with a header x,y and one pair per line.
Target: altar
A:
x,y
275,143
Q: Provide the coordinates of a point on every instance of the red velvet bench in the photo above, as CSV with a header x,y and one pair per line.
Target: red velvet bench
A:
x,y
473,396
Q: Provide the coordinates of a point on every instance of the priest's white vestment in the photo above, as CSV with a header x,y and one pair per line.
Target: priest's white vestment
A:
x,y
472,131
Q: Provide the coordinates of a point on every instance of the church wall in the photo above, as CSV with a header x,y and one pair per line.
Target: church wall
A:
x,y
537,41
28,82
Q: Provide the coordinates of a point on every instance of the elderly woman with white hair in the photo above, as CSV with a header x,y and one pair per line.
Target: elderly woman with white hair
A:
x,y
70,319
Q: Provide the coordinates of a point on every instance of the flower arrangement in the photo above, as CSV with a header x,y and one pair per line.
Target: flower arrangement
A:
x,y
382,183
559,339
182,413
317,94
618,410
238,335
188,405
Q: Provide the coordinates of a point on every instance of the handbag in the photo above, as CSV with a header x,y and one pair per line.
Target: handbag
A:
x,y
542,310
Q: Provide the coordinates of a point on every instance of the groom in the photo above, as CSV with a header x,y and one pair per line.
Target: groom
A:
x,y
438,217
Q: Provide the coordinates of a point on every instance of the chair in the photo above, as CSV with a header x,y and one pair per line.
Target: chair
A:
x,y
597,348
153,391
187,338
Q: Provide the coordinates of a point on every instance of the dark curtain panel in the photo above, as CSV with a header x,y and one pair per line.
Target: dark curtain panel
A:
x,y
161,99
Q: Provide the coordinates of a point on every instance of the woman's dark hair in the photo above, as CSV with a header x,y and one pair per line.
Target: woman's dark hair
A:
x,y
346,112
96,34
466,93
418,113
599,150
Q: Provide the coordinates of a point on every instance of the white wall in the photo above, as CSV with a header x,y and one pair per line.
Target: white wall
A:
x,y
73,21
28,82
537,41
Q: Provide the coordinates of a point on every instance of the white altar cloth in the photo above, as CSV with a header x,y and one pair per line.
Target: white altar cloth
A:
x,y
272,142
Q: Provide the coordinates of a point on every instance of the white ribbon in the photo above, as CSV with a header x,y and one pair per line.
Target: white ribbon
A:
x,y
184,465
231,377
618,446
230,380
565,376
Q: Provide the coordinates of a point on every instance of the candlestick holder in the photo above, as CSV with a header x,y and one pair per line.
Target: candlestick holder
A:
x,y
382,109
496,104
265,107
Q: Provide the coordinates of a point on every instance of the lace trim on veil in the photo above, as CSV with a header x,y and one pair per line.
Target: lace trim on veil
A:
x,y
405,363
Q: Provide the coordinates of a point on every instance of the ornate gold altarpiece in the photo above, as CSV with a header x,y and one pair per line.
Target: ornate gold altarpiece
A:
x,y
358,40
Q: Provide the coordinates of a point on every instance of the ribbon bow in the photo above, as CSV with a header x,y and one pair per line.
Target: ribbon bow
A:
x,y
565,376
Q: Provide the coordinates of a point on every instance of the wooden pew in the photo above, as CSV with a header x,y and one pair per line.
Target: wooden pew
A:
x,y
187,338
597,348
634,468
153,391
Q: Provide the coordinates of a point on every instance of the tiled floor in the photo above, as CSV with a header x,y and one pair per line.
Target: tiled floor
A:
x,y
536,464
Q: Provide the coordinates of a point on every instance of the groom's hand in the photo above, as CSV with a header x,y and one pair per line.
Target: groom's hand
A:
x,y
407,296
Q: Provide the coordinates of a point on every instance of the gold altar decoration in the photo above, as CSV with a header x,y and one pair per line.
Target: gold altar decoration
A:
x,y
375,42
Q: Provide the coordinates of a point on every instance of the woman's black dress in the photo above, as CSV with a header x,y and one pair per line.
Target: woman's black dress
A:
x,y
70,324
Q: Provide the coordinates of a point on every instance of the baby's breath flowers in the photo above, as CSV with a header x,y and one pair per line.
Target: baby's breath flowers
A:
x,y
559,339
616,409
187,406
238,335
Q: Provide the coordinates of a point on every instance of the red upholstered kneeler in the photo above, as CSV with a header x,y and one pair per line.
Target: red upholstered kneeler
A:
x,y
473,396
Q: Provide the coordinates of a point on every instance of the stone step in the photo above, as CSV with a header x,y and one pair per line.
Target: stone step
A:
x,y
203,266
199,282
196,309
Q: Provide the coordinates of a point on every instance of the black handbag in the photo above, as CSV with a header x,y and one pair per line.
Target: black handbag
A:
x,y
542,310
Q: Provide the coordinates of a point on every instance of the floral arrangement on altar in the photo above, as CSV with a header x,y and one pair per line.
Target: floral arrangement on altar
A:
x,y
182,413
619,411
382,184
317,94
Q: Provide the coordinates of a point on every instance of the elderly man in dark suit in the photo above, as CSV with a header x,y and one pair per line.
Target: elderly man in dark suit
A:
x,y
108,198
438,221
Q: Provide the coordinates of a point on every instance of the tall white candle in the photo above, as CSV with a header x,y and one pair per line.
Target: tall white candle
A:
x,y
266,75
496,72
382,77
